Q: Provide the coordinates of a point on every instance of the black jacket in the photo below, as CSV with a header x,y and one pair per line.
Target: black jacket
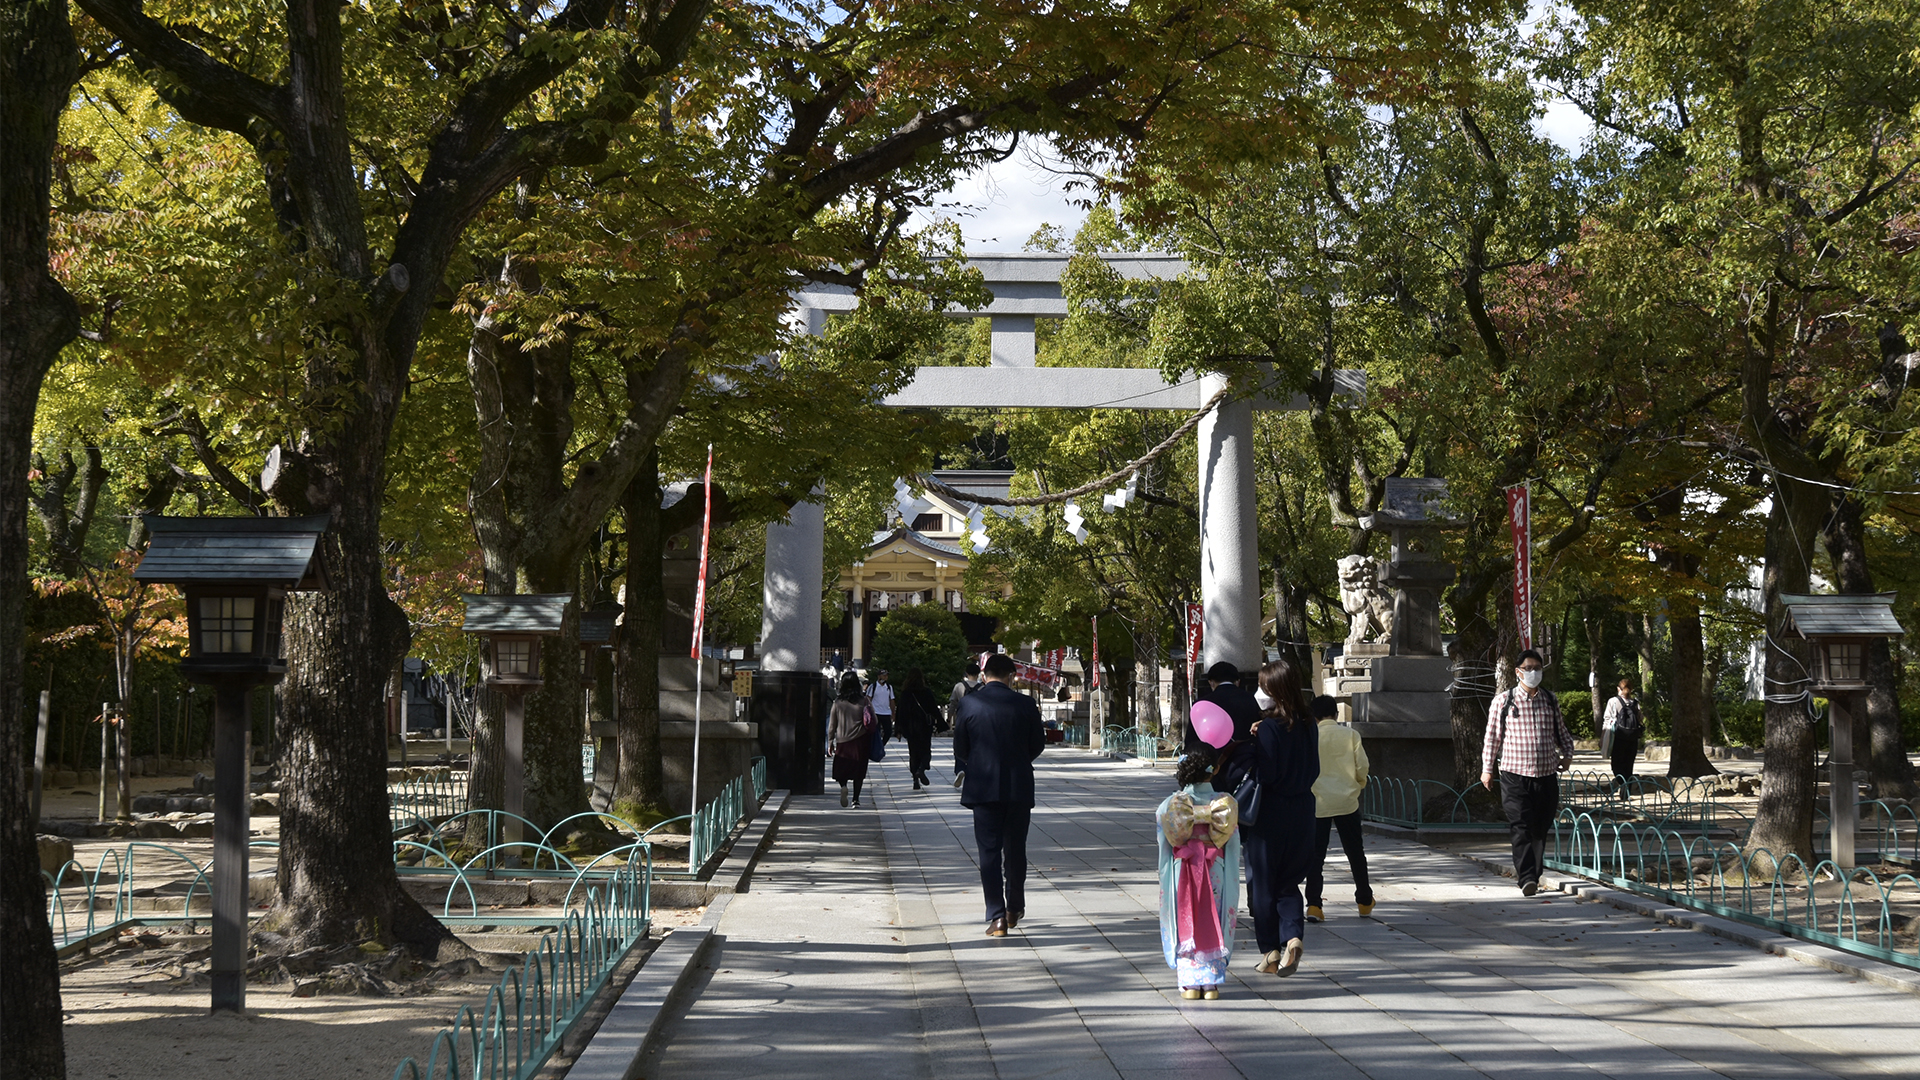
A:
x,y
1239,705
995,740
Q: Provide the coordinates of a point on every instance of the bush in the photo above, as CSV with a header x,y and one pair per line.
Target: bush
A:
x,y
1744,723
1577,707
924,636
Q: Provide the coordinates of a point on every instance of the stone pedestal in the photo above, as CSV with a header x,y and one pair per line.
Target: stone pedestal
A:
x,y
727,750
1403,715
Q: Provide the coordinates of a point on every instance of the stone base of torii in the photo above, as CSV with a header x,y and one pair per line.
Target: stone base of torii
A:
x,y
1026,287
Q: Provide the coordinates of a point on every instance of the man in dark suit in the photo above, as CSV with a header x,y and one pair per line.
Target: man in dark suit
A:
x,y
995,739
1224,690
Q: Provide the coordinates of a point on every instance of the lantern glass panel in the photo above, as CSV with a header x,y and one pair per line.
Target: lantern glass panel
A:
x,y
226,624
513,656
1846,661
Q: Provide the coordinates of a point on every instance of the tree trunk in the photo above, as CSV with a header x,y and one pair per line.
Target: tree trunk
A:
x,y
1150,687
1476,660
1596,625
1643,643
38,64
337,879
1290,628
1783,820
1689,755
641,781
1890,773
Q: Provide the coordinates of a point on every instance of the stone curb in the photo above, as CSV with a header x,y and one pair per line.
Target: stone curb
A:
x,y
736,868
637,1017
634,1023
1806,952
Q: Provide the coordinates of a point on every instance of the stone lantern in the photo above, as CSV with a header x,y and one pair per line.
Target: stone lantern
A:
x,y
235,573
513,627
1841,629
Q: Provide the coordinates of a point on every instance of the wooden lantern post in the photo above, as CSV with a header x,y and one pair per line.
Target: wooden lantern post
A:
x,y
1841,629
236,573
512,627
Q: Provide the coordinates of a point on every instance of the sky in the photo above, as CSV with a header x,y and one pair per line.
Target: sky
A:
x,y
1002,205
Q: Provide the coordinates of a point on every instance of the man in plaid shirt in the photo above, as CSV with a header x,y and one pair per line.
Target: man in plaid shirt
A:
x,y
1528,742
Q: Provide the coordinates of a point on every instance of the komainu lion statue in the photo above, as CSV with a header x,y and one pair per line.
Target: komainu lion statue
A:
x,y
1369,607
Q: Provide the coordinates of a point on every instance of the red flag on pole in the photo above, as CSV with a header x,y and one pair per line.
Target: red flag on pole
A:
x,y
700,589
1093,683
1196,632
1520,515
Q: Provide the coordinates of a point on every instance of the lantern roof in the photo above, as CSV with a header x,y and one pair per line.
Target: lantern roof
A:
x,y
1856,615
526,613
1413,501
273,551
596,626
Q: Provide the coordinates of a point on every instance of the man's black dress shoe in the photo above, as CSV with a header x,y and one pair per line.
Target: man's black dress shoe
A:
x,y
1014,917
997,926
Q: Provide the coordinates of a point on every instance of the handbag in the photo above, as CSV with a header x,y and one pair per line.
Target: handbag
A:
x,y
1248,796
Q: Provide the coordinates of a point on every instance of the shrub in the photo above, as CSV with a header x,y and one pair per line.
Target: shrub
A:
x,y
924,636
1577,707
1744,723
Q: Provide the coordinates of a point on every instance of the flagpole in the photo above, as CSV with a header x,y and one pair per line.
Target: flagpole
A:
x,y
699,665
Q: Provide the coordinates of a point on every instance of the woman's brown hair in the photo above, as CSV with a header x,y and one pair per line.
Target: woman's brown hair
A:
x,y
1282,684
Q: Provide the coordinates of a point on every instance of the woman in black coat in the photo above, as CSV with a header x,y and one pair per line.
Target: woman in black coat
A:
x,y
916,710
1279,846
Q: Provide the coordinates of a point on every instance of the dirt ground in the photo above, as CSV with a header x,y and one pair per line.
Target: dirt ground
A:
x,y
135,1011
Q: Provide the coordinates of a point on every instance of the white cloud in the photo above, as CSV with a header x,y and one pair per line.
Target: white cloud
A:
x,y
1001,205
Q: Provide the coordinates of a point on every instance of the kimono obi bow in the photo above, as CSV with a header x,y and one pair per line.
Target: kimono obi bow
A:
x,y
1219,818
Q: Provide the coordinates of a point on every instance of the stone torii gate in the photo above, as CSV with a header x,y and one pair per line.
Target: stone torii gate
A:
x,y
1026,288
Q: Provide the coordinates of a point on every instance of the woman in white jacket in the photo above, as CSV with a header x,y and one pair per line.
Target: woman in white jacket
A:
x,y
1336,799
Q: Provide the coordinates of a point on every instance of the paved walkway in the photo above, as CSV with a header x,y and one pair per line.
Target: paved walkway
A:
x,y
860,952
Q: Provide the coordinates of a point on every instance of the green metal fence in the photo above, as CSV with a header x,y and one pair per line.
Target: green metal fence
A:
x,y
529,1012
1856,911
1136,741
425,799
759,774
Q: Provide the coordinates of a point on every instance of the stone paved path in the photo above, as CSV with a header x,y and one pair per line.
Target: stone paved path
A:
x,y
859,953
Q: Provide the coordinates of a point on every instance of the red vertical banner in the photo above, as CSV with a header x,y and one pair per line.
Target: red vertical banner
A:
x,y
1196,632
700,589
1093,680
1520,516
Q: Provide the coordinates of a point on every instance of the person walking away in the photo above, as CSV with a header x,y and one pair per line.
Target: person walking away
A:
x,y
915,711
1336,805
851,727
1527,744
968,684
1278,843
995,741
1224,690
1620,733
1199,845
883,706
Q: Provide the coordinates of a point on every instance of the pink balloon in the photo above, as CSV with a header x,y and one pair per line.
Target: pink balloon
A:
x,y
1211,723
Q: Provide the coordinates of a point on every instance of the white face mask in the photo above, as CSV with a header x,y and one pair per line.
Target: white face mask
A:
x,y
1530,679
1261,699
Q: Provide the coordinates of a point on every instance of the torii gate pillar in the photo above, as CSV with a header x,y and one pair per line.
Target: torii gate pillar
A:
x,y
1229,533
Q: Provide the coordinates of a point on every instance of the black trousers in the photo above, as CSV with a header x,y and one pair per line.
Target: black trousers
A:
x,y
1278,859
1531,803
1626,747
1000,833
1349,826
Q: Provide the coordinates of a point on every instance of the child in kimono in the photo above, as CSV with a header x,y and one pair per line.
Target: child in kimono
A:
x,y
1199,878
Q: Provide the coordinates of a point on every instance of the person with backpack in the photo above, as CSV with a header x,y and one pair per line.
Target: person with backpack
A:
x,y
1620,735
850,728
967,685
916,709
1527,745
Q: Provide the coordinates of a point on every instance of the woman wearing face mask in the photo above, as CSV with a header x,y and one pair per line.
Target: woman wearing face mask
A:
x,y
1527,743
1278,845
